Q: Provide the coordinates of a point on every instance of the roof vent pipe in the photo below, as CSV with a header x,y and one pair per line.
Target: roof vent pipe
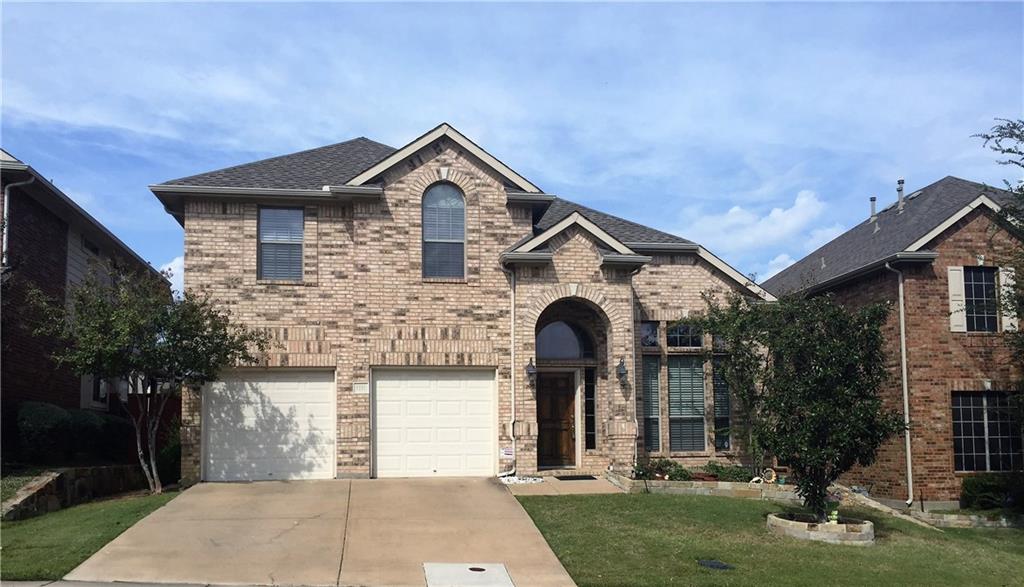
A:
x,y
874,216
899,194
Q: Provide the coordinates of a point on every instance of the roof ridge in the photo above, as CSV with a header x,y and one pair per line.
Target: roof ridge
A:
x,y
276,157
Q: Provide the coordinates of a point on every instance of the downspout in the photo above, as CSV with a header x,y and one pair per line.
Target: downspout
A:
x,y
512,370
636,421
906,389
7,213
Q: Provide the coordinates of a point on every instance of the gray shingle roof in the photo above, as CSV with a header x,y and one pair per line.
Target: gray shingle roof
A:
x,y
862,245
623,230
312,169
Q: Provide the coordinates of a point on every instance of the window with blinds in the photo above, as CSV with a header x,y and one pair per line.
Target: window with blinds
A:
x,y
652,401
280,244
444,232
589,409
722,407
685,404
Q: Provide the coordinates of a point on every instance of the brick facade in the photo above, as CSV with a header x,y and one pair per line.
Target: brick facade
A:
x,y
364,304
939,361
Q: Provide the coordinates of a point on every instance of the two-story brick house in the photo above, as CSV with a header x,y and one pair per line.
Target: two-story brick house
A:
x,y
50,243
935,257
436,313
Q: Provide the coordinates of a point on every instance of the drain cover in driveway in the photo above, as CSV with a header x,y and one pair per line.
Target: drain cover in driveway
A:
x,y
467,575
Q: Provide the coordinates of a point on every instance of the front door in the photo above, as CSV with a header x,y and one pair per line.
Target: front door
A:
x,y
556,418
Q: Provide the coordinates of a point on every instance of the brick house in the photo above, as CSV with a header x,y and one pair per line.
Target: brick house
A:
x,y
437,314
935,257
49,242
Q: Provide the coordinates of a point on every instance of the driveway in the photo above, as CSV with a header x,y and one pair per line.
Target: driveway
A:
x,y
360,532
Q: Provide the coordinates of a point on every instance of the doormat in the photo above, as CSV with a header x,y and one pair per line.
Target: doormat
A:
x,y
575,477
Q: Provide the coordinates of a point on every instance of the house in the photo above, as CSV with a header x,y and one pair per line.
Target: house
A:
x,y
438,314
49,242
935,256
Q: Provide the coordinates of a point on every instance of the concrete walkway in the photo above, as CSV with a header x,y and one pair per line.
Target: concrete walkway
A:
x,y
363,532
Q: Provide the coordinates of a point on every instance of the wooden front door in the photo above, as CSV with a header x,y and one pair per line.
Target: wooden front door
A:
x,y
556,418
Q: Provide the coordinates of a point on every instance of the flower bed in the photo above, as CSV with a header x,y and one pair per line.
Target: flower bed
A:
x,y
846,531
784,493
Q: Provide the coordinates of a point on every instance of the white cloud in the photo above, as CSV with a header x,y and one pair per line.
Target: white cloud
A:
x,y
820,236
177,268
780,262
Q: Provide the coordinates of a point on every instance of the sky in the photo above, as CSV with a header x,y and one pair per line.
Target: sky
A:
x,y
757,130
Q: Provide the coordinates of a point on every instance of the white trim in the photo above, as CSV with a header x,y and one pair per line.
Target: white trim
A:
x,y
444,130
734,274
581,220
981,200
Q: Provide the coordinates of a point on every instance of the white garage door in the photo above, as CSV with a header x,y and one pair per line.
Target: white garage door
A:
x,y
269,424
434,423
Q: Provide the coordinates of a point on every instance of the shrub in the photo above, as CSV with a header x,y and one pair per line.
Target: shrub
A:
x,y
117,439
44,431
728,472
991,491
168,460
662,469
86,431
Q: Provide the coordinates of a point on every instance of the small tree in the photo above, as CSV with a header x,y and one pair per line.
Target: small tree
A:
x,y
126,326
806,372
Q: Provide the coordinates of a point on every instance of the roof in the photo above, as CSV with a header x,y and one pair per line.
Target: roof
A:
x,y
892,234
49,195
311,169
623,230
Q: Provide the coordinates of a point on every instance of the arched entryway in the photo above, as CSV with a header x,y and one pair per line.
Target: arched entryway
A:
x,y
571,348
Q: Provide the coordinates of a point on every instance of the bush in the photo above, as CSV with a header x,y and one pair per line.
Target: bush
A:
x,y
990,491
86,431
728,472
168,460
117,440
44,432
662,469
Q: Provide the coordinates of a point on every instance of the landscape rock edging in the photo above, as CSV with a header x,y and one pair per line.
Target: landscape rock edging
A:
x,y
968,520
763,491
61,488
849,533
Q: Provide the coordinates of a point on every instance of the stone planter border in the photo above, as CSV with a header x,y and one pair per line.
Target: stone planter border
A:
x,y
968,520
61,488
850,533
783,493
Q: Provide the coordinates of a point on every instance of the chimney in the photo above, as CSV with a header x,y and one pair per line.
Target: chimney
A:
x,y
874,216
899,195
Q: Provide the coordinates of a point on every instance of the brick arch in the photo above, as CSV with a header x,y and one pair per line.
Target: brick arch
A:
x,y
433,172
617,321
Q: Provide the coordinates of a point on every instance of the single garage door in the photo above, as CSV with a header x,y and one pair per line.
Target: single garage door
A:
x,y
434,423
269,424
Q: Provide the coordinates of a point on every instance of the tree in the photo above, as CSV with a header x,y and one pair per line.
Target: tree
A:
x,y
126,326
1007,139
806,373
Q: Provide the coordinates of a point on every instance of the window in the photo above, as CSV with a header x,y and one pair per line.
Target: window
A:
x,y
684,335
985,437
980,298
280,244
561,340
685,403
722,407
652,402
444,232
589,410
649,334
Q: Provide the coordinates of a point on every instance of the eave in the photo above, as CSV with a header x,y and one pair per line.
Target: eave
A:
x,y
903,258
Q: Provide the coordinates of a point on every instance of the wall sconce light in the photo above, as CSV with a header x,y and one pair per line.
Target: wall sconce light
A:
x,y
531,372
621,372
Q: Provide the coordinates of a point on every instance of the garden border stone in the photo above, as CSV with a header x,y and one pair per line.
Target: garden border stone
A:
x,y
968,520
849,533
743,490
61,488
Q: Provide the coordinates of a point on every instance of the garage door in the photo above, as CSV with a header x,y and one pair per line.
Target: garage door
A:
x,y
434,423
269,424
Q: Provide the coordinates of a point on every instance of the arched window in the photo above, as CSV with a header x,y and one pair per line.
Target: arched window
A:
x,y
444,232
561,340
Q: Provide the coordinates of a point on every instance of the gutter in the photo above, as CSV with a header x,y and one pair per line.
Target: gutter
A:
x,y
901,257
7,213
906,387
245,192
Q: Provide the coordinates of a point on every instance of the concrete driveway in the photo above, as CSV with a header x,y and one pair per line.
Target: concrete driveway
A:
x,y
361,532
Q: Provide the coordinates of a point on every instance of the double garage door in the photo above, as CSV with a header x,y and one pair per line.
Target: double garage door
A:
x,y
281,423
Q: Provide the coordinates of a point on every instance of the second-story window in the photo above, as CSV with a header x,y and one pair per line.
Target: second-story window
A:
x,y
980,298
280,244
444,232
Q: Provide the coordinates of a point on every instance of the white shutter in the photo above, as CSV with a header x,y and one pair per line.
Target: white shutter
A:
x,y
1006,281
957,307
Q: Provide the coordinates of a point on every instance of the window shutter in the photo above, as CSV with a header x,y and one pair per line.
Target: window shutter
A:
x,y
957,309
652,402
1006,281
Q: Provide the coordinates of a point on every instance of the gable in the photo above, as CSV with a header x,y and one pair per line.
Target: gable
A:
x,y
443,130
581,221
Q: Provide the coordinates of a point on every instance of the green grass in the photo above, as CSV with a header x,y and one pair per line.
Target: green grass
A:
x,y
50,546
645,539
11,482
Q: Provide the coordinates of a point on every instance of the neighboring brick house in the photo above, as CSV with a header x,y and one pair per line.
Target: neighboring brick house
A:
x,y
942,246
435,313
49,242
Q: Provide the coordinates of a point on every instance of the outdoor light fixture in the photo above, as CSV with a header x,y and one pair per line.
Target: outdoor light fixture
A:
x,y
621,371
531,372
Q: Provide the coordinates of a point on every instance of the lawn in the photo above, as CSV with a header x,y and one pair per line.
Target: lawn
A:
x,y
645,539
12,481
50,546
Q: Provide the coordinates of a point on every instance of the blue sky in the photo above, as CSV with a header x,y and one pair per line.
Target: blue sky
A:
x,y
758,130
